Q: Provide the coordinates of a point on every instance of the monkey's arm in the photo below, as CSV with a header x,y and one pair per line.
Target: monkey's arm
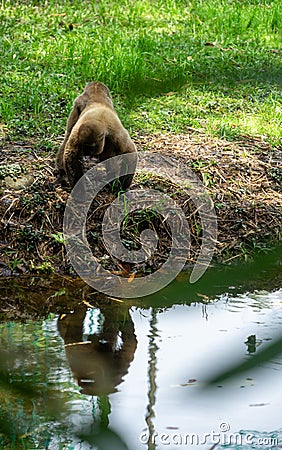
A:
x,y
72,159
128,165
72,119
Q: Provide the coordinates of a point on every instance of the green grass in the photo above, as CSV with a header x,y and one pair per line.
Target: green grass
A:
x,y
207,64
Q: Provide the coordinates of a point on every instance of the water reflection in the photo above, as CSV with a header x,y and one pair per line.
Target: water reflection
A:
x,y
161,404
109,375
152,373
146,396
100,358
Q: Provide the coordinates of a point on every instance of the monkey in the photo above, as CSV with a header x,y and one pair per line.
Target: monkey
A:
x,y
93,129
100,365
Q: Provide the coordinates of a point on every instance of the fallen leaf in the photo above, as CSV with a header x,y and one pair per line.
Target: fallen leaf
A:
x,y
87,304
131,278
205,297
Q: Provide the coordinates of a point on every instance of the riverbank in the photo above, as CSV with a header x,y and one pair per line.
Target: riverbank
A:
x,y
242,178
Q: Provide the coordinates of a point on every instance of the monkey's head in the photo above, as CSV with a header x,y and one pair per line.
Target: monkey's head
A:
x,y
95,91
91,138
97,86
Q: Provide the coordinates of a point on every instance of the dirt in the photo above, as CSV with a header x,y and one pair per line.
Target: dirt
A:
x,y
242,178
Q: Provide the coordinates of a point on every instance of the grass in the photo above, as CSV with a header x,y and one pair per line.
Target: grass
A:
x,y
171,65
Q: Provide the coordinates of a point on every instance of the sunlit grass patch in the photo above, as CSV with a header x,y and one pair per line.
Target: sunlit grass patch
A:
x,y
170,65
218,113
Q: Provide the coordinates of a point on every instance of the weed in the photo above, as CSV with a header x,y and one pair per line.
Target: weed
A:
x,y
59,237
276,175
14,264
12,170
28,237
46,267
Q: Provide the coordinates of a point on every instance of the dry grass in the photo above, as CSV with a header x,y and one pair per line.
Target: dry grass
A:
x,y
242,178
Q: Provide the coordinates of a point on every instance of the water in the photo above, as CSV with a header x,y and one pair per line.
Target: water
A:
x,y
133,376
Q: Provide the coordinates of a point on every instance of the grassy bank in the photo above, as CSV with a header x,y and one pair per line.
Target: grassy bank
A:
x,y
171,65
242,179
187,79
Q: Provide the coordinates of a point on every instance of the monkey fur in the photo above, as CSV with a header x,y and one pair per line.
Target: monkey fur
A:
x,y
93,129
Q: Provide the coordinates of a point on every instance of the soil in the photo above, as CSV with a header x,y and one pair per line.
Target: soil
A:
x,y
242,178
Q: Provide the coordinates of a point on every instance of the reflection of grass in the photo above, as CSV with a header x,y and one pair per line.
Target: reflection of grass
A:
x,y
214,65
32,413
14,422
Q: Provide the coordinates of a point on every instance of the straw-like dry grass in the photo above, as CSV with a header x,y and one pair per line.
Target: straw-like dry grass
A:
x,y
243,179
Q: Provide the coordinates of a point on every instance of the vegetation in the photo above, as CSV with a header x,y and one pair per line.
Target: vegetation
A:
x,y
212,65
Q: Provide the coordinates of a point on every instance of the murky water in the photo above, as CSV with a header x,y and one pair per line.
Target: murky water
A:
x,y
133,377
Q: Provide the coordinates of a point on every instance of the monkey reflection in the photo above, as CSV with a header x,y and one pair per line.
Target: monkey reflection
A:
x,y
100,362
93,129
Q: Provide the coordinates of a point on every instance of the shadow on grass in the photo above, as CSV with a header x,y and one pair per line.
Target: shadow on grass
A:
x,y
184,62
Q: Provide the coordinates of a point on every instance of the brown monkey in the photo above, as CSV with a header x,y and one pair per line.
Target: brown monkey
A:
x,y
93,129
101,363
